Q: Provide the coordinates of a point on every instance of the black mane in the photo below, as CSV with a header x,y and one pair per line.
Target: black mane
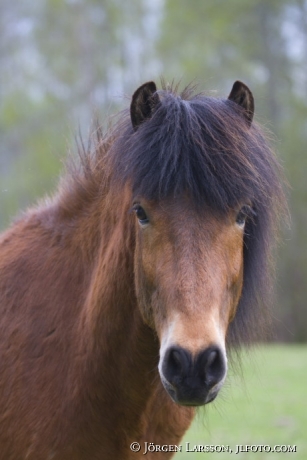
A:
x,y
200,145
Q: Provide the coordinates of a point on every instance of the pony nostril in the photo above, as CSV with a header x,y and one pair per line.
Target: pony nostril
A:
x,y
178,360
175,355
212,365
176,364
212,357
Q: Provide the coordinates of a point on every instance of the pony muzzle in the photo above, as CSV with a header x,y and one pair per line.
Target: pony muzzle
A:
x,y
193,380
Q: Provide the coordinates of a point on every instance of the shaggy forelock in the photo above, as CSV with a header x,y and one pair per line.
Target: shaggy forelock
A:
x,y
202,146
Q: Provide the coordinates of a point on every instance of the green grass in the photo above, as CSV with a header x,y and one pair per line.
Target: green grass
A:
x,y
266,406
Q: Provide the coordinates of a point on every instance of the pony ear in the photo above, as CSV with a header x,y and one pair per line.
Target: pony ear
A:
x,y
242,95
143,103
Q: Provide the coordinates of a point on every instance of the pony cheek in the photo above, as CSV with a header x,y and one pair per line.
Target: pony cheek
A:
x,y
149,301
144,290
235,295
232,314
145,283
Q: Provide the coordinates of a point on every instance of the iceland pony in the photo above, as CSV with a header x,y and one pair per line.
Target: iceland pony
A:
x,y
120,295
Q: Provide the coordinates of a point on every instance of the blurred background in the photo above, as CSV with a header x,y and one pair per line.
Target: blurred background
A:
x,y
63,61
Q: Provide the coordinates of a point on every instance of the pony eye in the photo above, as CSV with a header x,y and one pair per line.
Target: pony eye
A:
x,y
245,212
141,214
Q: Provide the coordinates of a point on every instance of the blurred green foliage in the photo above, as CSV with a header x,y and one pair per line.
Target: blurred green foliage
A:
x,y
62,61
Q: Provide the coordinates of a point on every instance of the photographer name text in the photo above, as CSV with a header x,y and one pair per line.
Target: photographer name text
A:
x,y
150,447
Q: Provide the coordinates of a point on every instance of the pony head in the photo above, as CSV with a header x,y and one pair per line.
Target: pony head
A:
x,y
206,194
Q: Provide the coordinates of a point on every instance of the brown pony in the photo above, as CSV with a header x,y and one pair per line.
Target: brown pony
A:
x,y
119,294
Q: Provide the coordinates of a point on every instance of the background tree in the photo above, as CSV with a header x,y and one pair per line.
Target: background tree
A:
x,y
61,61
